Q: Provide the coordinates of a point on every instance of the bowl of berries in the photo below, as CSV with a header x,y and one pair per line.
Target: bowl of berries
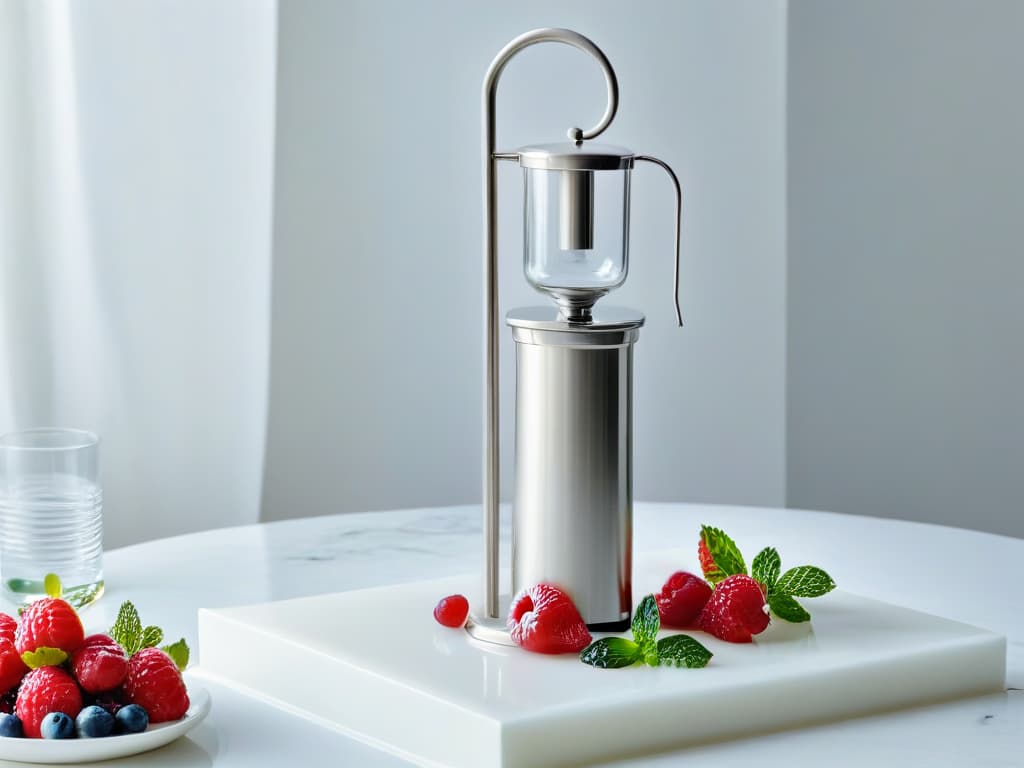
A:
x,y
69,697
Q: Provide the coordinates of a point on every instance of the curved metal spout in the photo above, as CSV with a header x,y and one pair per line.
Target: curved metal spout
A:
x,y
491,463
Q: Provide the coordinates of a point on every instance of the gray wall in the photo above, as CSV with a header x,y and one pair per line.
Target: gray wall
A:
x,y
376,333
906,263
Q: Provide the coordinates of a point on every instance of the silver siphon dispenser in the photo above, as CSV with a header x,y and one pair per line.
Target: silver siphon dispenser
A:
x,y
572,511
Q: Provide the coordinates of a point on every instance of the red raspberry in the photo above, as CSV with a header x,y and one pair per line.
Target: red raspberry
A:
x,y
7,627
452,611
46,690
99,665
12,668
681,599
707,562
544,620
49,622
155,684
736,610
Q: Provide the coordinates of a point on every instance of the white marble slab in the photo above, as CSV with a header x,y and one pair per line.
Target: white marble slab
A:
x,y
375,664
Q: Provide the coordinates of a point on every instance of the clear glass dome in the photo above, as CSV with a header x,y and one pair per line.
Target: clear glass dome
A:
x,y
576,232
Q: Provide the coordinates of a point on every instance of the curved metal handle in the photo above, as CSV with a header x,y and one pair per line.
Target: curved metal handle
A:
x,y
491,321
679,217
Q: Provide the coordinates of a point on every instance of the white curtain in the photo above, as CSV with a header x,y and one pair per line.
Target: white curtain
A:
x,y
136,168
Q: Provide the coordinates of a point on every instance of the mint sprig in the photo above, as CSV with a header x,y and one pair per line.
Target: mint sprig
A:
x,y
682,651
178,652
780,591
129,633
728,559
787,608
611,653
617,652
766,567
127,629
805,581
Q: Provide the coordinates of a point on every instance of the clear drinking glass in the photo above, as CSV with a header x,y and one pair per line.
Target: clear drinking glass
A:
x,y
51,514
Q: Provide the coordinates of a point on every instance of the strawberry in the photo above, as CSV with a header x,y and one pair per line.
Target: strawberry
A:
x,y
50,623
8,625
46,690
543,619
681,599
12,668
99,664
154,683
707,563
452,611
736,610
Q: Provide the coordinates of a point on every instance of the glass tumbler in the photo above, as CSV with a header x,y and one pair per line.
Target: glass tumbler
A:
x,y
51,514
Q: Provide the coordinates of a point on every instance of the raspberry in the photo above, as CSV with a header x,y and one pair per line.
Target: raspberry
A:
x,y
681,599
46,690
544,620
8,625
452,611
50,623
155,684
12,668
736,610
99,664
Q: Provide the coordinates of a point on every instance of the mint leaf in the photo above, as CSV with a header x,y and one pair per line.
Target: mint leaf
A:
x,y
51,585
611,653
805,581
682,651
44,657
724,552
152,637
127,629
785,607
646,622
179,653
766,567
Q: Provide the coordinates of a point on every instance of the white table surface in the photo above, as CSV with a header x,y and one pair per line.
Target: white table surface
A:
x,y
963,575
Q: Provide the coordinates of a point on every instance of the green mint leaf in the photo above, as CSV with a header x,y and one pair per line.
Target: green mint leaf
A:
x,y
152,637
724,552
646,621
805,581
179,653
682,651
127,629
44,657
766,567
51,585
611,653
785,607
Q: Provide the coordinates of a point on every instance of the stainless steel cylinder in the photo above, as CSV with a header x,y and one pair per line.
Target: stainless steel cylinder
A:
x,y
572,515
576,210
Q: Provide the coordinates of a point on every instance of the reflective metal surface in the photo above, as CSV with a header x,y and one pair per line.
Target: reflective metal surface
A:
x,y
576,210
576,157
679,220
572,515
491,464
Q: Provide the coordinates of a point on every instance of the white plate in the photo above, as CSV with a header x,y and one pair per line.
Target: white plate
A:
x,y
106,748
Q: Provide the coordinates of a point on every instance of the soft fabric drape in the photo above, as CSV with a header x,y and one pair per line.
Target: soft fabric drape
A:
x,y
136,159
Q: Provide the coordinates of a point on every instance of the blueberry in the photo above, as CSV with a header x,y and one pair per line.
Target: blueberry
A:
x,y
10,725
57,725
93,722
132,719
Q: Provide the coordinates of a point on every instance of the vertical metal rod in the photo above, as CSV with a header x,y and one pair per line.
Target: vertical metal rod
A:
x,y
491,458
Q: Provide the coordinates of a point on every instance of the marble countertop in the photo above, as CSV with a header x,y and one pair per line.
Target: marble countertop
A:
x,y
963,575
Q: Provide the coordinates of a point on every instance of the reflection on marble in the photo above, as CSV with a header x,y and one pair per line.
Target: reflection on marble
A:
x,y
945,571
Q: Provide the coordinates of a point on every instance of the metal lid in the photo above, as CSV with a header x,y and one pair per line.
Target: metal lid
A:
x,y
609,327
569,156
